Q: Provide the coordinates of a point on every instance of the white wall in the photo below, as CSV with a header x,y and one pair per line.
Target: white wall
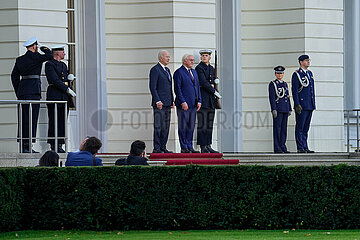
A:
x,y
135,32
276,33
21,20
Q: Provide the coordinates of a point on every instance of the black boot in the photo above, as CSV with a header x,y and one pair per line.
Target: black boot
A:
x,y
210,149
204,149
60,149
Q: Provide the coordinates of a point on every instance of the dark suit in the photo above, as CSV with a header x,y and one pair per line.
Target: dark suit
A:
x,y
186,90
283,107
29,65
304,96
206,113
160,85
136,160
56,74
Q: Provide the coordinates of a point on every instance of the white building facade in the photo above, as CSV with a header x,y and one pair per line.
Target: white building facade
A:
x,y
114,43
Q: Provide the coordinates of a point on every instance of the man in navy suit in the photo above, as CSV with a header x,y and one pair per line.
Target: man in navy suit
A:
x,y
162,101
25,78
303,91
188,102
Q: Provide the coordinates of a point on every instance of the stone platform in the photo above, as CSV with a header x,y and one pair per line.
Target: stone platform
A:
x,y
266,159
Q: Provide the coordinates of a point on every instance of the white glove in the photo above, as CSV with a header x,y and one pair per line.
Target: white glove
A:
x,y
274,113
217,94
71,77
71,92
217,81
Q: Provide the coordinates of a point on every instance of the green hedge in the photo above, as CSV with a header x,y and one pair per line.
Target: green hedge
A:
x,y
191,197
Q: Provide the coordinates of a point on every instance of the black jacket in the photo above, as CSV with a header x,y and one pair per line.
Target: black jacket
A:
x,y
206,78
136,160
29,64
56,74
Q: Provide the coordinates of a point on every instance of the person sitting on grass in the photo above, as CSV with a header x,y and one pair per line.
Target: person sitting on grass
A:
x,y
86,156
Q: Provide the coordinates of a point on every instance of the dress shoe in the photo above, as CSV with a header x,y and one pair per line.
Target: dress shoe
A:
x,y
204,149
301,151
60,150
166,151
185,150
309,151
193,151
156,151
210,149
286,151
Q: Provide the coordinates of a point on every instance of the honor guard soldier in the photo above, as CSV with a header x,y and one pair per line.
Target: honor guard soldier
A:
x,y
58,90
280,109
206,114
25,79
303,92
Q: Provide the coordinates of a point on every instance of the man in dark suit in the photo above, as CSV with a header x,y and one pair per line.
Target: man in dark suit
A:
x,y
206,114
137,154
57,76
188,102
160,85
25,78
303,91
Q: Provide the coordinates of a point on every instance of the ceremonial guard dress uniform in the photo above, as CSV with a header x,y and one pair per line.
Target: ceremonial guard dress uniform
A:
x,y
206,114
25,79
303,91
57,77
281,109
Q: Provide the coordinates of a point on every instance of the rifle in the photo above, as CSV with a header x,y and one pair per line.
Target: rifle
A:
x,y
216,86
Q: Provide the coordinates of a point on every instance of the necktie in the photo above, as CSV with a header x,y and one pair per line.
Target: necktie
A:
x,y
168,72
192,77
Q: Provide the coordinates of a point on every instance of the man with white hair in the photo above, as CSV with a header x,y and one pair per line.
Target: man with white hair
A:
x,y
160,85
188,102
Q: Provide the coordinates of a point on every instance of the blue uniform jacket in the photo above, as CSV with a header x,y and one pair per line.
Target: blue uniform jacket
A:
x,y
283,104
81,158
185,89
206,78
160,86
304,96
29,64
56,74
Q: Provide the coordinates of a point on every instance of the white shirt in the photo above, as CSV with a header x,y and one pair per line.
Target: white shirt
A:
x,y
163,66
188,70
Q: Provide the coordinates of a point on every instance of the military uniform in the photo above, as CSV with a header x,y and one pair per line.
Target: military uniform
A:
x,y
25,79
281,108
206,114
56,74
303,91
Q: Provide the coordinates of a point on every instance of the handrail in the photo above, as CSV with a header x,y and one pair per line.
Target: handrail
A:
x,y
348,129
20,104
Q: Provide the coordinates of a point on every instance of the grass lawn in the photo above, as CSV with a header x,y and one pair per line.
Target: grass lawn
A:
x,y
186,235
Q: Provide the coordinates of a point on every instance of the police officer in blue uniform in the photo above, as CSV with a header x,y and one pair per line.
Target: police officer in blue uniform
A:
x,y
206,114
280,109
59,90
303,91
25,79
